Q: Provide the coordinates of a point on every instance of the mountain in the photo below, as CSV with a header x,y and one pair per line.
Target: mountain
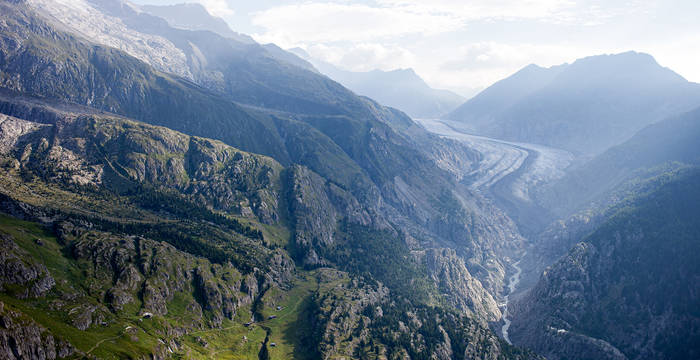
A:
x,y
590,192
247,73
379,156
193,16
479,111
178,183
629,290
142,222
585,107
189,235
657,146
401,89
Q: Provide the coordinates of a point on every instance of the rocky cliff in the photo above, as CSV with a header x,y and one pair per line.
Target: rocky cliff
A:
x,y
629,290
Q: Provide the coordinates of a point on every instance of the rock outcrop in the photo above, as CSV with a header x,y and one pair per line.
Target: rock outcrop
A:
x,y
459,287
22,338
627,291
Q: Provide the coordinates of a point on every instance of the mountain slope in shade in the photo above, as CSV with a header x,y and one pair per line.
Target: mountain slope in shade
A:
x,y
630,290
586,107
590,192
672,140
401,89
157,239
480,111
362,168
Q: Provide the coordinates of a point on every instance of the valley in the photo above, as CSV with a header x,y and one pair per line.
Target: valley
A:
x,y
509,168
507,172
513,283
172,189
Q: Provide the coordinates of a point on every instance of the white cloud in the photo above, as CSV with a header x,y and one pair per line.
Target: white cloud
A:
x,y
488,9
364,56
480,64
680,55
318,22
466,44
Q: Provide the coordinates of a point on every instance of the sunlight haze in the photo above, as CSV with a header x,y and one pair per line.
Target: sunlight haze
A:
x,y
465,46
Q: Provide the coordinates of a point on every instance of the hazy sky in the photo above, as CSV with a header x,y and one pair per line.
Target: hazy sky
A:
x,y
465,45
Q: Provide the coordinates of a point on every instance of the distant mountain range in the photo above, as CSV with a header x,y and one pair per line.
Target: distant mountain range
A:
x,y
402,89
585,107
673,140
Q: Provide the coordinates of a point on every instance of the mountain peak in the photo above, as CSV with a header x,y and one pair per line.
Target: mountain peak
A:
x,y
194,16
569,106
627,66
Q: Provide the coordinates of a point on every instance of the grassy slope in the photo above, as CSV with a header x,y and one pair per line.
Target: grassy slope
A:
x,y
113,341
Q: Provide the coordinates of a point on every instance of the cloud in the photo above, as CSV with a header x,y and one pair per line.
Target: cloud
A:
x,y
556,10
319,22
364,56
466,44
482,55
480,64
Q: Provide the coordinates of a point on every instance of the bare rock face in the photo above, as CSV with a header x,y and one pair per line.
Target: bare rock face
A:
x,y
21,338
317,207
315,215
629,289
84,18
28,279
214,296
554,336
343,312
461,289
12,129
212,173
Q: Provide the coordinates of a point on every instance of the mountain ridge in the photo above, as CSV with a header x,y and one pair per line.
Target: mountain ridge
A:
x,y
596,301
585,107
401,88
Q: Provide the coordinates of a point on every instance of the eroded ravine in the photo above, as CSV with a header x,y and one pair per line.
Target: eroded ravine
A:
x,y
508,172
513,282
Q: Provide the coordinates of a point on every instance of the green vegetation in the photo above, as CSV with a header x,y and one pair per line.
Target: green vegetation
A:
x,y
631,278
381,255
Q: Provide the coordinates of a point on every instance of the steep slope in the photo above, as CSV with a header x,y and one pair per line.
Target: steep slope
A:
x,y
483,109
148,236
377,161
163,243
402,89
627,291
585,107
591,192
671,140
247,73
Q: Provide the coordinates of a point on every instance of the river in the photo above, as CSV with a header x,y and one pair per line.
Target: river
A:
x,y
513,282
